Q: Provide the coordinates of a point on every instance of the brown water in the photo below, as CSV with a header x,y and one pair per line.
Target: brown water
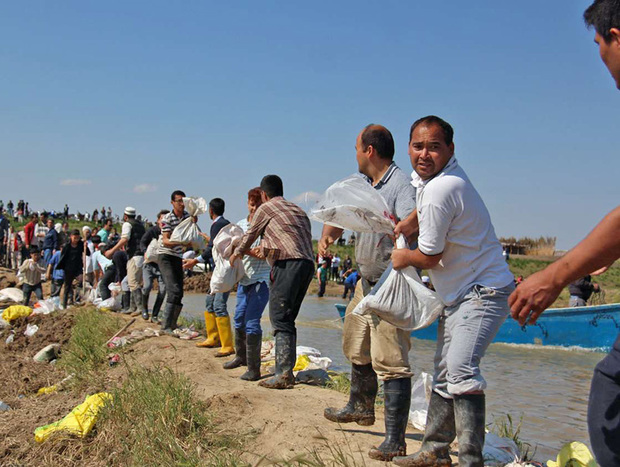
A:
x,y
548,387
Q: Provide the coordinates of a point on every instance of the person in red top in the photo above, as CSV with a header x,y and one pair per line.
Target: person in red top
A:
x,y
29,230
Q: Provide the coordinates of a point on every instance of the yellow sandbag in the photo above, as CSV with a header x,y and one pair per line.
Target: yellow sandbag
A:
x,y
79,421
47,390
16,311
301,363
574,454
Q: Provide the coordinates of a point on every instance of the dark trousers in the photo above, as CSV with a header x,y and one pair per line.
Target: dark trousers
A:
x,y
27,289
171,268
108,277
289,282
322,285
70,276
56,287
604,409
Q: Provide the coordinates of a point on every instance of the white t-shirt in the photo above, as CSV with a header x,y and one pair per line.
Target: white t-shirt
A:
x,y
455,222
126,230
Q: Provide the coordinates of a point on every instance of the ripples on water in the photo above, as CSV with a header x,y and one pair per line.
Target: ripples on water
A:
x,y
548,386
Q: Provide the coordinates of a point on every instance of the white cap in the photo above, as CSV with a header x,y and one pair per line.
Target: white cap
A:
x,y
130,211
86,228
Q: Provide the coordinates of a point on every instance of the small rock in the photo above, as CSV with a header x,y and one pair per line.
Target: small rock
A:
x,y
47,354
4,407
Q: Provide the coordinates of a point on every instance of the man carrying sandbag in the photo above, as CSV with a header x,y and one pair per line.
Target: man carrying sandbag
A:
x,y
373,346
287,245
458,246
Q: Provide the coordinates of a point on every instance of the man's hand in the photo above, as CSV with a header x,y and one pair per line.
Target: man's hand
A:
x,y
533,296
189,263
400,258
324,243
409,227
233,259
257,253
205,236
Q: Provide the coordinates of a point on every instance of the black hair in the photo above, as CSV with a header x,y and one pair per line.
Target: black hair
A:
x,y
272,186
33,249
75,232
96,239
176,193
448,132
217,205
603,15
163,212
380,139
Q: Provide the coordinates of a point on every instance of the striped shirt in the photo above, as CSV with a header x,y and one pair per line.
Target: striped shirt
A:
x,y
285,228
256,270
169,223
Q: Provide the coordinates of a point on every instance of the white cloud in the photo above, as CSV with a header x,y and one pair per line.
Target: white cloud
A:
x,y
74,182
144,188
308,197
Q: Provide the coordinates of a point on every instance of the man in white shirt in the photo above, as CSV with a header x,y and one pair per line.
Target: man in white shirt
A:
x,y
458,246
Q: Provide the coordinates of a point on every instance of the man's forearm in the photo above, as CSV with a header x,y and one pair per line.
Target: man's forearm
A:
x,y
333,232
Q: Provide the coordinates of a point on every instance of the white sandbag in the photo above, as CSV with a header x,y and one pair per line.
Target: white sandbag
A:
x,y
401,299
45,307
151,254
12,293
188,230
353,204
112,303
225,276
420,398
499,451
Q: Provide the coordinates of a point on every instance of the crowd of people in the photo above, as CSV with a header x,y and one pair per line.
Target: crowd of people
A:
x,y
450,235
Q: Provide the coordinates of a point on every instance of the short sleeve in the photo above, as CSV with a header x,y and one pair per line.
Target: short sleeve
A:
x,y
434,222
126,232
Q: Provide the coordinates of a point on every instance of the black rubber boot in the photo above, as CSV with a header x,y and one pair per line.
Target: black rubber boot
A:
x,y
167,318
440,431
145,306
177,312
397,393
361,405
240,351
125,302
469,414
253,348
285,362
158,303
136,302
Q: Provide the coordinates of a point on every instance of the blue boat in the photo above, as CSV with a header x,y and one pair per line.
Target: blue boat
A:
x,y
588,327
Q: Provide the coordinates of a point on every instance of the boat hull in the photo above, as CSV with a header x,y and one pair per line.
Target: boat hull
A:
x,y
589,327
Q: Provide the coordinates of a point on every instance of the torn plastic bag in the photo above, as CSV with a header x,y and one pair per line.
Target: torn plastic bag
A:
x,y
420,398
401,299
226,276
188,230
111,304
12,293
16,311
353,204
499,451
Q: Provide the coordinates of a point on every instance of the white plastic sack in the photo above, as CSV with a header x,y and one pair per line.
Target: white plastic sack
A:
x,y
151,254
12,293
310,351
45,307
499,451
31,330
353,204
420,398
112,303
401,299
226,276
188,230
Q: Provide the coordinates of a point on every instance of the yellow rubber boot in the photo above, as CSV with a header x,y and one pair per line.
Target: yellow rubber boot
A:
x,y
223,327
213,338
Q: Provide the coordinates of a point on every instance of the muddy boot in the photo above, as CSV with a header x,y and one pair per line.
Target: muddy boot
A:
x,y
469,416
285,362
240,351
439,433
166,320
133,307
125,299
136,302
175,318
155,314
145,307
253,348
397,393
361,405
213,337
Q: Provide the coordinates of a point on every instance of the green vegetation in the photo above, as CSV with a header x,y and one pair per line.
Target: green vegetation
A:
x,y
86,354
189,321
339,382
505,427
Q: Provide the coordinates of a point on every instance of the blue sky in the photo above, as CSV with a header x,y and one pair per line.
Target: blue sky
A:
x,y
119,103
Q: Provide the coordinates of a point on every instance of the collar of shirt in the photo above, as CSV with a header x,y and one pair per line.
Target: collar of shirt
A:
x,y
216,219
418,183
386,176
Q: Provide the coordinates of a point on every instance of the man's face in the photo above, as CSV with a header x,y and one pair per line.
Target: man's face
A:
x,y
610,54
428,150
75,238
50,223
361,155
35,257
108,225
177,203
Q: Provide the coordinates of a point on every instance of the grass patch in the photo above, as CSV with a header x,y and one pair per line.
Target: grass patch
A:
x,y
155,419
339,382
189,321
506,427
86,354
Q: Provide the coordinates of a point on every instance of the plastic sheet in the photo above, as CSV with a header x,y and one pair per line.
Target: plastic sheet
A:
x,y
420,398
16,311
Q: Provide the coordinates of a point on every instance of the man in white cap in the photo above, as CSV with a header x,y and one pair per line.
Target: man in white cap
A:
x,y
89,272
131,233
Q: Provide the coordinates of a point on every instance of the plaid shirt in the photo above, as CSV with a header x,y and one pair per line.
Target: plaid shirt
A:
x,y
168,224
285,228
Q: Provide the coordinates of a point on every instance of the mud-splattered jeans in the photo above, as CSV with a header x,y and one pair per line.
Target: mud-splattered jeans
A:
x,y
465,331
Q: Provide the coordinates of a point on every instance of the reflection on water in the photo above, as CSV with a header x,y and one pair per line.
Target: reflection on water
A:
x,y
549,387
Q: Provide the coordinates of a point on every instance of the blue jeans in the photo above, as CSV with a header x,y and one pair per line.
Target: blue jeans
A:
x,y
217,304
465,331
251,302
47,255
